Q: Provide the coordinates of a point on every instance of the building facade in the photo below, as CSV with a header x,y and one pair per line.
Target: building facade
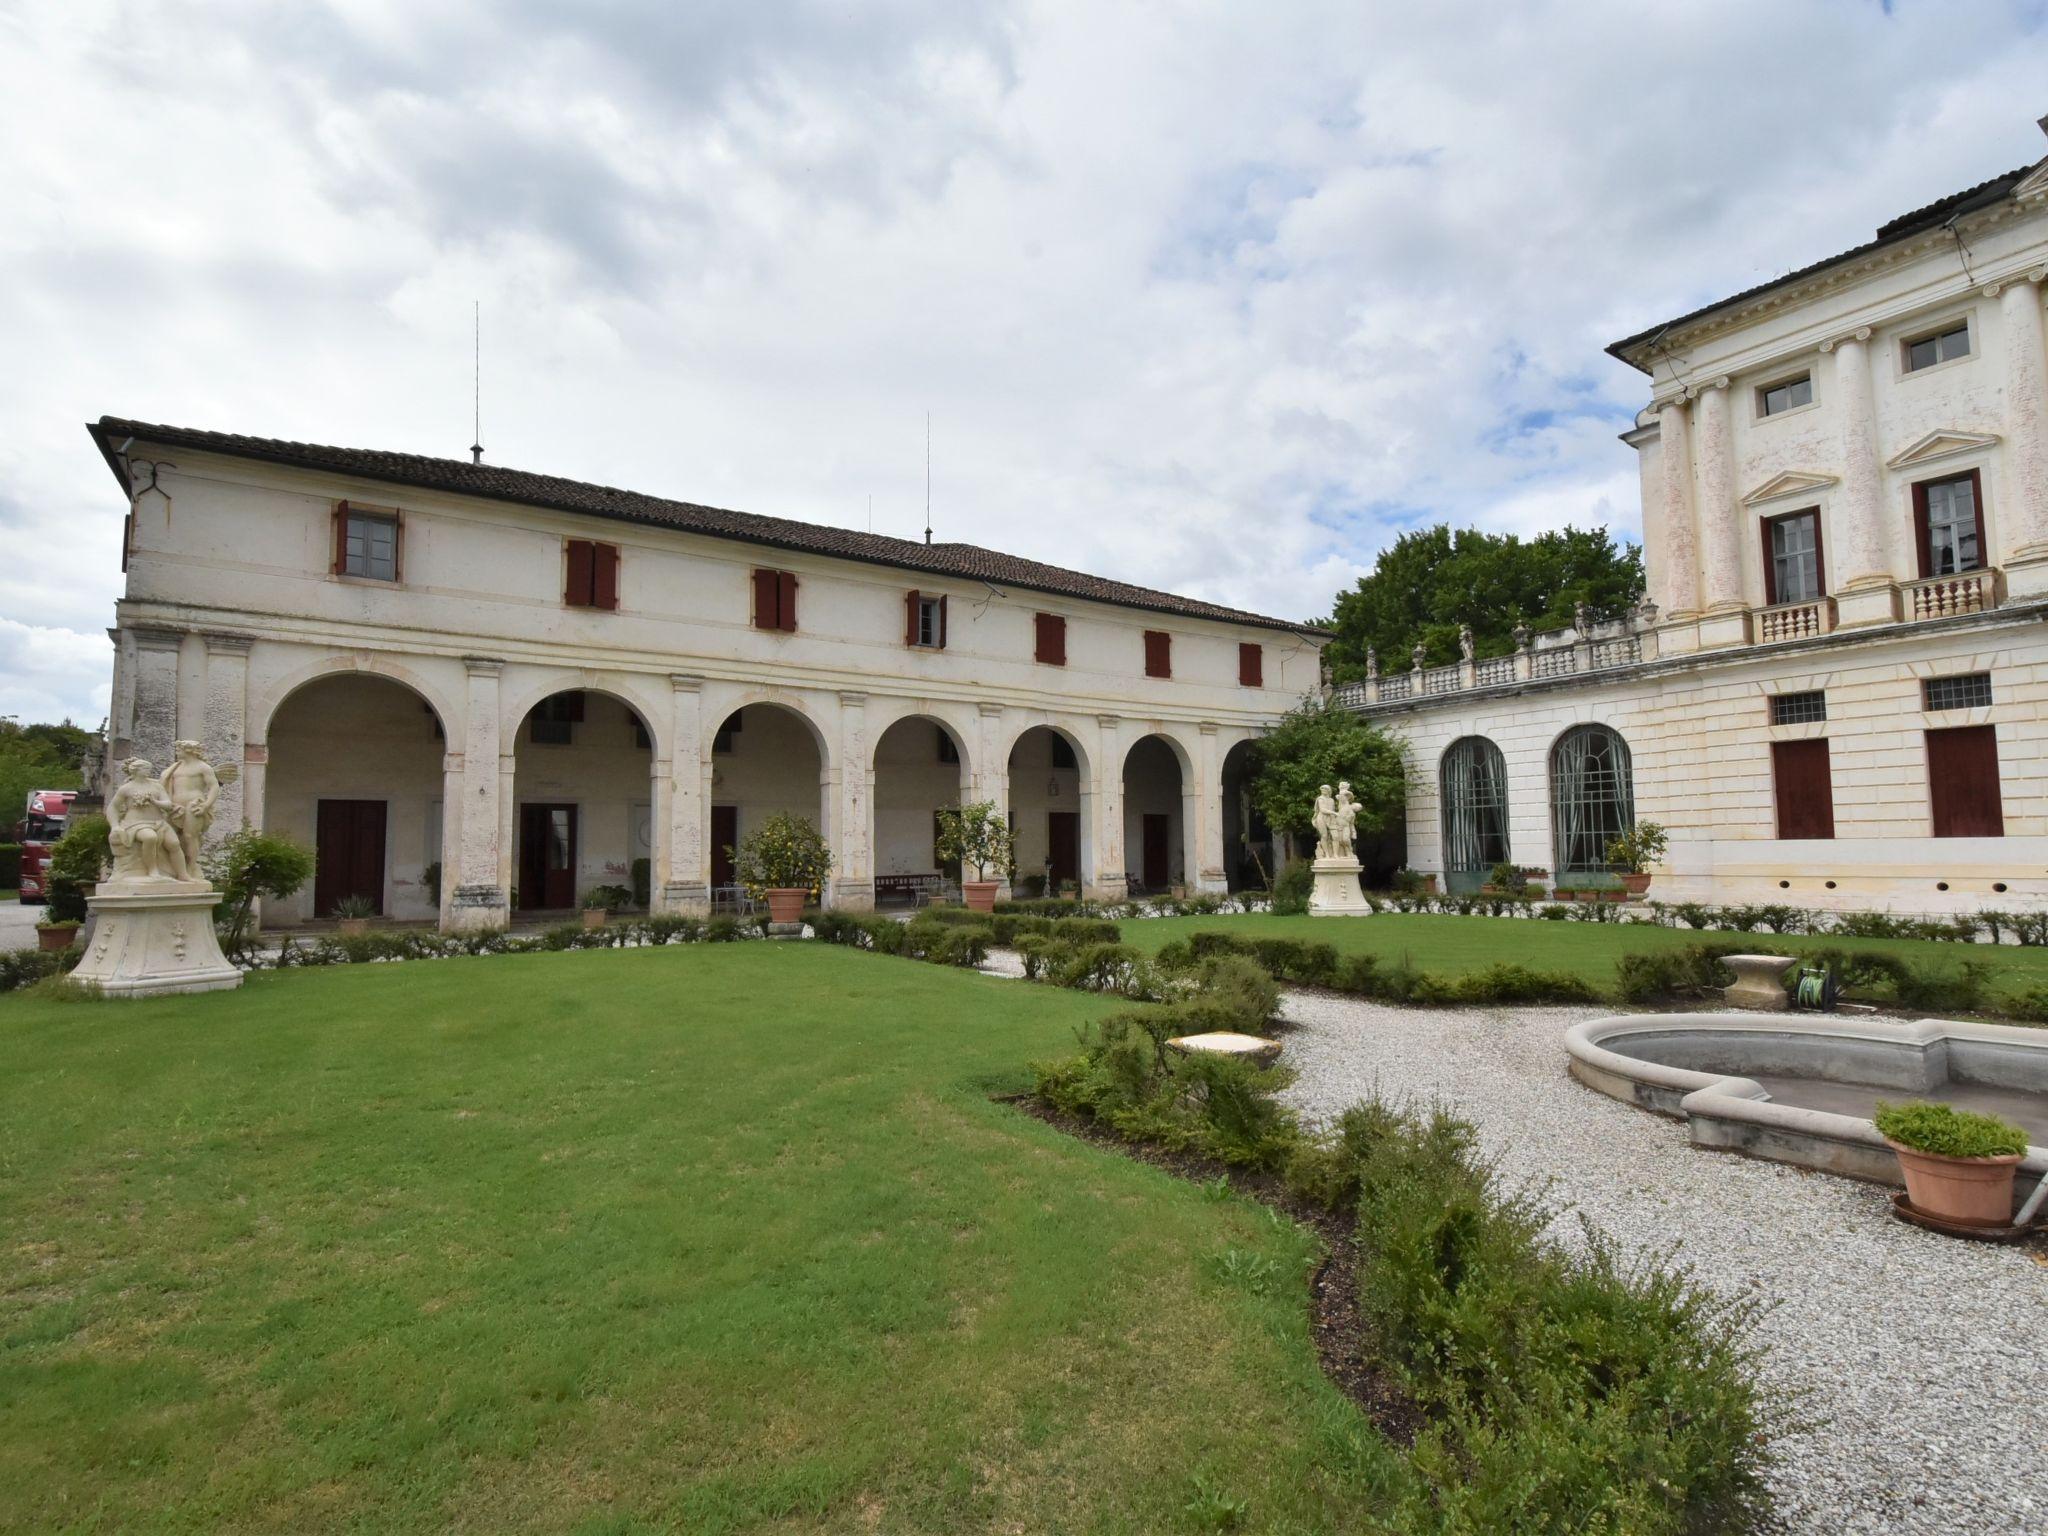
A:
x,y
480,692
1836,692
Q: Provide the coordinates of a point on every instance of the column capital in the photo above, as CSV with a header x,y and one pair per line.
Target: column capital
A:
x,y
1207,727
685,682
853,699
221,643
158,639
1695,391
1669,403
483,666
989,710
1109,722
1859,335
2032,277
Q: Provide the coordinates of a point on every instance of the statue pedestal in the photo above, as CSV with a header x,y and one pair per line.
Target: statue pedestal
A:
x,y
1336,892
152,938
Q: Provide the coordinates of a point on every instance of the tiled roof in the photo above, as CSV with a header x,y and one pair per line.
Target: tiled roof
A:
x,y
1903,227
497,483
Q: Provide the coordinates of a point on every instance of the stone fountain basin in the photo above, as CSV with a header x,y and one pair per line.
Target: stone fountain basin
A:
x,y
1800,1088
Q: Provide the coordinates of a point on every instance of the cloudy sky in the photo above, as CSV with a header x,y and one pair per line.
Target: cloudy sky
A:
x,y
1216,297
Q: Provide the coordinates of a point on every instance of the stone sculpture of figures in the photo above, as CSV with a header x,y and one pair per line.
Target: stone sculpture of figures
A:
x,y
1335,822
1324,821
1347,819
194,789
1372,662
140,832
1581,620
1465,641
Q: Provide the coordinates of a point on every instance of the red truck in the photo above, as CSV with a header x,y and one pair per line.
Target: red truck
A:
x,y
37,832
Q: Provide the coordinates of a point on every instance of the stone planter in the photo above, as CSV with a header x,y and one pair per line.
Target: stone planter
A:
x,y
1635,884
351,927
594,917
980,895
787,905
1970,1191
55,938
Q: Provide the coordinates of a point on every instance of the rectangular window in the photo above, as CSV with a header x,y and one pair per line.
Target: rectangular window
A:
x,y
1158,653
1965,690
1251,666
366,543
1792,558
1049,631
924,621
1788,395
1805,788
1948,517
775,600
592,577
1941,347
1798,708
555,719
1962,782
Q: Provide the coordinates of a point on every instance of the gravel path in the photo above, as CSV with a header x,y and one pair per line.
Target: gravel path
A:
x,y
1924,1359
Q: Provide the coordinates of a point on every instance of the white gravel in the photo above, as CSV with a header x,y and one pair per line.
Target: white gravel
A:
x,y
1924,1359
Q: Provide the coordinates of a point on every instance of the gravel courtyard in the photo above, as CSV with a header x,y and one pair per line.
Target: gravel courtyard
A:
x,y
1924,1359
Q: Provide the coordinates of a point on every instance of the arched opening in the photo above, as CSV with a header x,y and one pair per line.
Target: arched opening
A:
x,y
1049,805
1249,847
1473,784
582,802
920,766
1155,858
765,760
355,772
1592,797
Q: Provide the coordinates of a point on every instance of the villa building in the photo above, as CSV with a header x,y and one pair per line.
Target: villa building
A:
x,y
1835,692
479,691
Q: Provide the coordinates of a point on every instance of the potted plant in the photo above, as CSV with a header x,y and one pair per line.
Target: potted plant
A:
x,y
977,835
58,935
1635,851
600,901
352,915
784,860
1958,1165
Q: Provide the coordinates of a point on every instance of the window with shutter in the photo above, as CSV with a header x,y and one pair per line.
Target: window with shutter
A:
x,y
785,600
1251,666
579,583
924,622
775,600
366,542
1805,788
1158,653
605,578
1051,635
1962,782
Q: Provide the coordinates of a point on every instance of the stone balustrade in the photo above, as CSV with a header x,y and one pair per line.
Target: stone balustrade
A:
x,y
1941,597
1795,621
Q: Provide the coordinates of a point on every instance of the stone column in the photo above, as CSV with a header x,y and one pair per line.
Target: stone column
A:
x,y
685,877
155,723
2023,515
1857,543
987,776
1681,538
1105,880
1205,803
226,729
1719,517
851,835
476,799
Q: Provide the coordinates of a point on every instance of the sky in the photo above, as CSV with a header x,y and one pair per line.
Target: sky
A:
x,y
1219,298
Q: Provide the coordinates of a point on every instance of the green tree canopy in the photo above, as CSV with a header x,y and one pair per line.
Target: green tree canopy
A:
x,y
1433,580
38,757
1318,744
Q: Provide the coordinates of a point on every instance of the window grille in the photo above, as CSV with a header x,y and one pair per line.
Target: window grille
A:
x,y
1798,708
1475,812
1592,797
1969,690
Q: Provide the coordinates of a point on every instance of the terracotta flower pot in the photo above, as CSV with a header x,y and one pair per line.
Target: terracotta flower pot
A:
x,y
1635,885
352,927
786,906
980,895
594,917
1975,1191
54,939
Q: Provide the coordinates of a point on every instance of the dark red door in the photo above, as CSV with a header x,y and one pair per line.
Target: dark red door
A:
x,y
547,856
1962,782
1158,830
349,846
725,836
1063,846
1806,791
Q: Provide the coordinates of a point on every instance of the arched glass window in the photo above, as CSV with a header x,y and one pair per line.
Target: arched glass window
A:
x,y
1475,812
1592,797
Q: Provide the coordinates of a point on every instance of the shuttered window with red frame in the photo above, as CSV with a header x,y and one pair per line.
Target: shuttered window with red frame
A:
x,y
1050,633
1158,653
1251,666
592,579
775,600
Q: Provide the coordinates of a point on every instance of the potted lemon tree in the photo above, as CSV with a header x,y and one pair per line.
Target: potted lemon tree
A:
x,y
977,835
785,861
1635,851
1958,1165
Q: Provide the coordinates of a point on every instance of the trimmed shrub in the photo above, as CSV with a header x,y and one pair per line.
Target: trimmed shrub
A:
x,y
1292,890
26,967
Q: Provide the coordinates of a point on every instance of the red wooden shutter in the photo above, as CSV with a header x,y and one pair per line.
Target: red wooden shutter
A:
x,y
1806,790
340,538
942,623
1158,653
764,601
605,576
785,593
398,546
1770,565
576,589
1052,639
910,603
1962,782
1920,550
1251,666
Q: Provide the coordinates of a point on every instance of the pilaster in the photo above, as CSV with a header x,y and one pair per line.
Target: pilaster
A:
x,y
1207,869
1717,511
224,736
1863,585
2025,509
1105,847
1681,537
154,725
851,836
684,883
476,798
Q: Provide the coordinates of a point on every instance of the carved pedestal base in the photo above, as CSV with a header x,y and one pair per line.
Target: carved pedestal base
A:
x,y
1336,893
152,938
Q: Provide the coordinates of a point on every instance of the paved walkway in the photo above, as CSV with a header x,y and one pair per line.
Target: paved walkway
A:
x,y
17,922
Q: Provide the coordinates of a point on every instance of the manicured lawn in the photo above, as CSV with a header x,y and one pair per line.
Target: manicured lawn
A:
x,y
709,1238
1452,946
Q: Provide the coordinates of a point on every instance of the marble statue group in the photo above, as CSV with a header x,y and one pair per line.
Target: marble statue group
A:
x,y
1336,822
156,826
1337,891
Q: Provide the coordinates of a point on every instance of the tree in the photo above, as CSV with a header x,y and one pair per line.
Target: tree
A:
x,y
247,864
784,853
977,834
39,757
1318,744
1433,580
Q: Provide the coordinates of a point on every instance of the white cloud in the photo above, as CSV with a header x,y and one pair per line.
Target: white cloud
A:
x,y
1219,298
